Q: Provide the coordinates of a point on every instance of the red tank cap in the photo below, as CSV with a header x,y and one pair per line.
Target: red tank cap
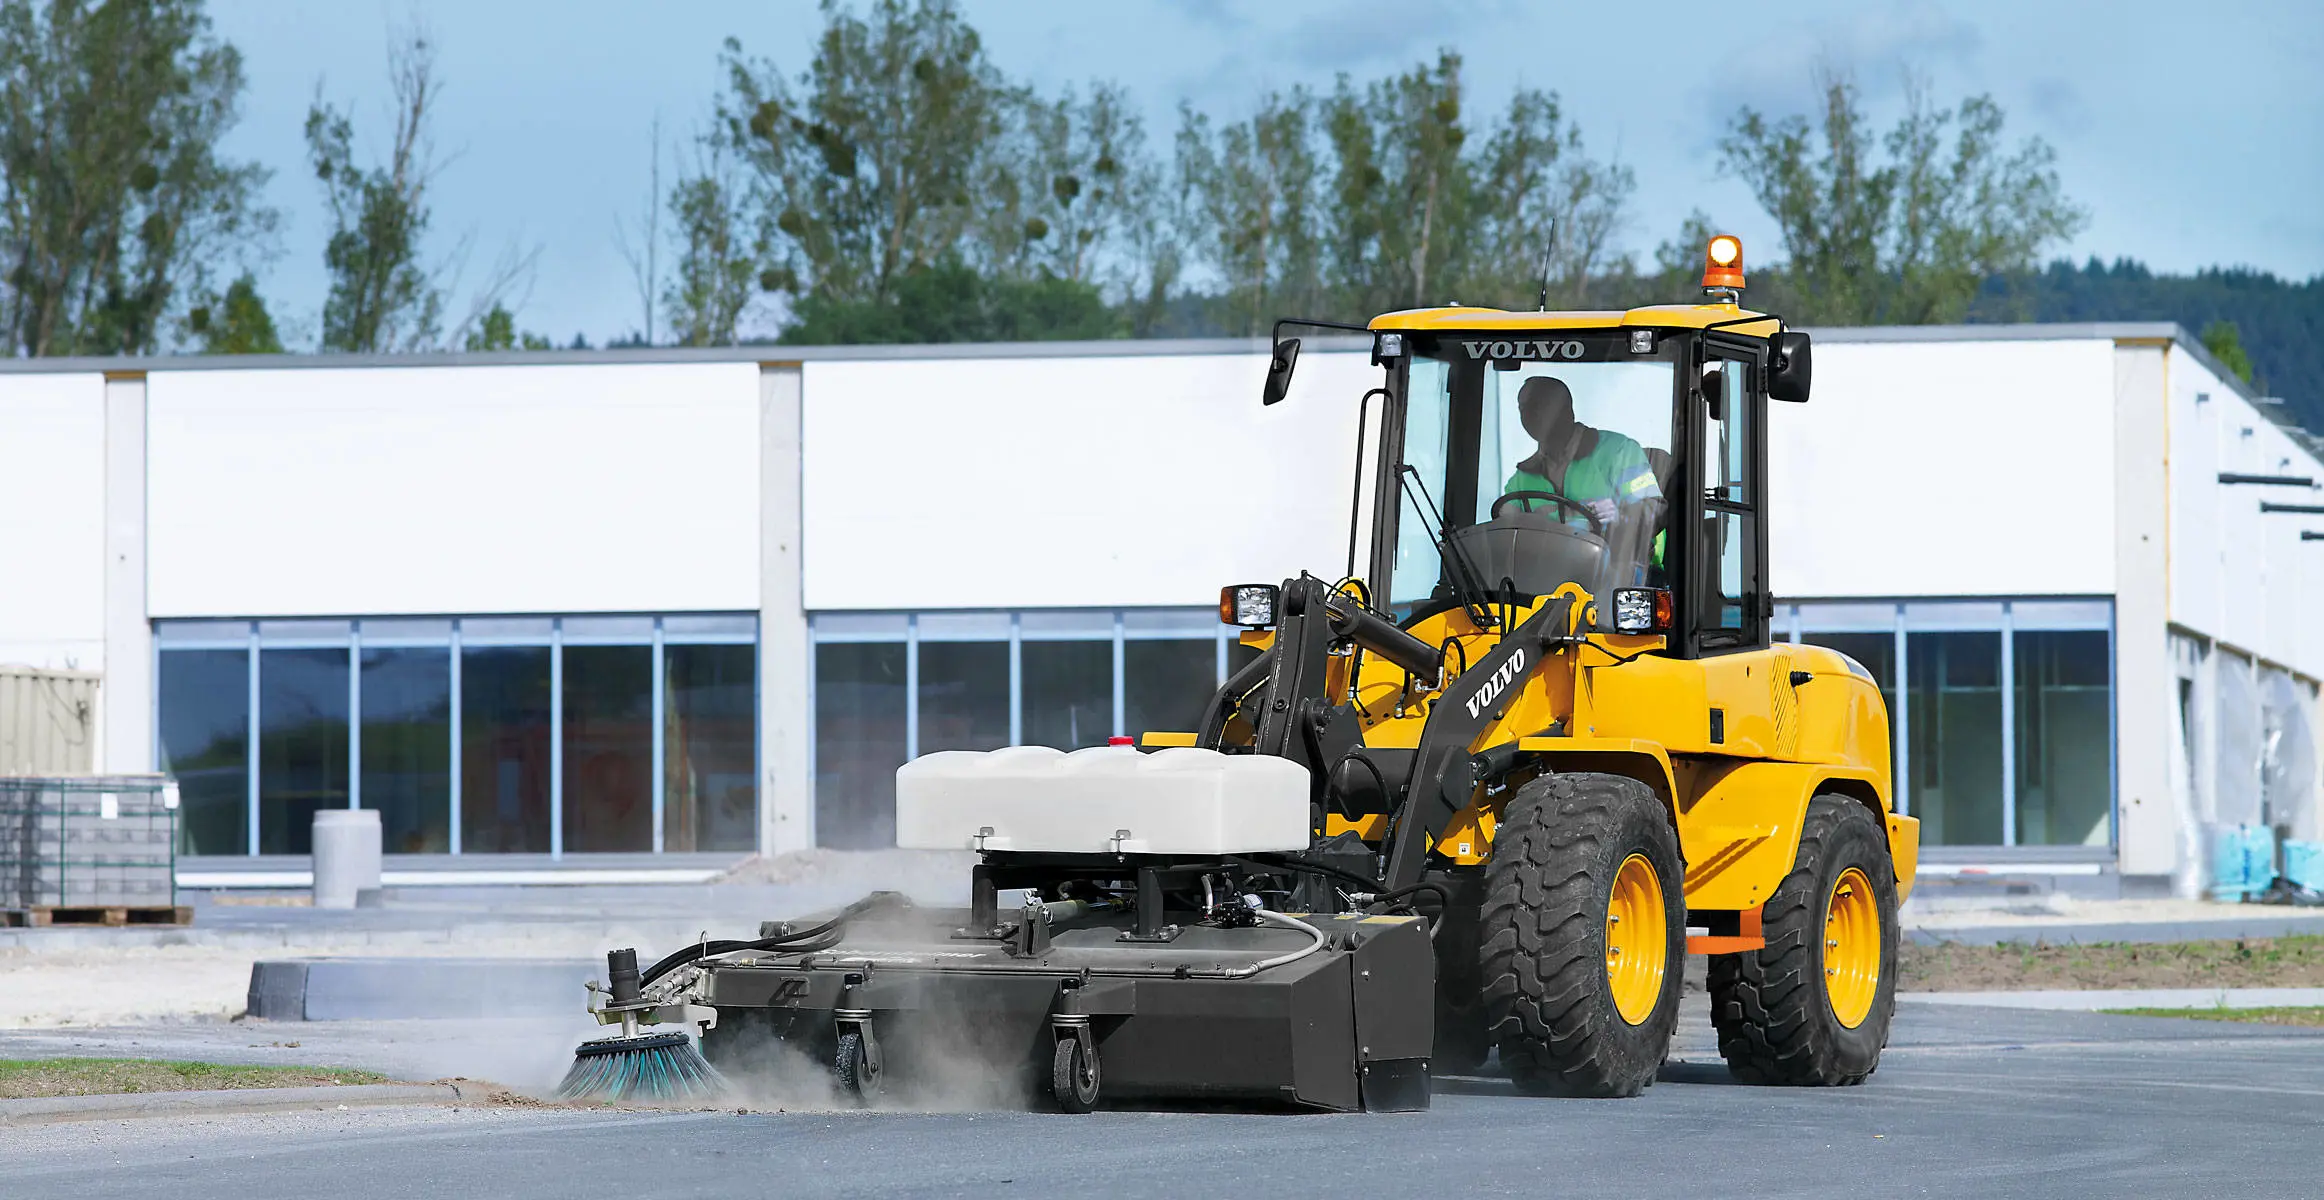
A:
x,y
1118,740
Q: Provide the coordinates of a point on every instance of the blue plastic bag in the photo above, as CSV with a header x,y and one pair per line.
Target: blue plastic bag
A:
x,y
2243,861
2304,864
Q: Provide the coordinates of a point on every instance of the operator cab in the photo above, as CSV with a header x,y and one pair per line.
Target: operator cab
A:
x,y
1620,452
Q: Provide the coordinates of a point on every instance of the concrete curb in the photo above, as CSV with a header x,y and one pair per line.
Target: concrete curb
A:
x,y
354,989
49,1110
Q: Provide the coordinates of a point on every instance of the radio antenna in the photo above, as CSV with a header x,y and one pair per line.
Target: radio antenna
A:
x,y
1548,256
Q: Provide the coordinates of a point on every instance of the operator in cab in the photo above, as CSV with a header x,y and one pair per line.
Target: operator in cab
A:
x,y
1606,472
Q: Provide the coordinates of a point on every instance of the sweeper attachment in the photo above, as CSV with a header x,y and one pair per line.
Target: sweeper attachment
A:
x,y
1166,938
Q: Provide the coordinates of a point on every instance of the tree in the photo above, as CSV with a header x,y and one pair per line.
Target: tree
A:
x,y
235,323
381,298
1254,189
497,330
2225,342
718,257
1903,229
115,203
867,166
1384,196
954,302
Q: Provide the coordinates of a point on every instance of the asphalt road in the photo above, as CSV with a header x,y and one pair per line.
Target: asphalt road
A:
x,y
1980,1102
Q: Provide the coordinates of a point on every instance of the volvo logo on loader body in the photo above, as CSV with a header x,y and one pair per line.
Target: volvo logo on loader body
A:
x,y
1524,349
1497,682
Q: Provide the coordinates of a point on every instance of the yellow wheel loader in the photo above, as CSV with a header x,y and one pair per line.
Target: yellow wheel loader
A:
x,y
1485,793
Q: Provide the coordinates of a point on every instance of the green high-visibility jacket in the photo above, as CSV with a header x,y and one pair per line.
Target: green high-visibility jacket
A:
x,y
1615,469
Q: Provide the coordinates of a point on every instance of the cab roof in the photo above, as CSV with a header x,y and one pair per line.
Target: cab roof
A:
x,y
1653,316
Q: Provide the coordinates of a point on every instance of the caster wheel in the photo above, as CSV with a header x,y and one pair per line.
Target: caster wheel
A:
x,y
1073,1075
857,1066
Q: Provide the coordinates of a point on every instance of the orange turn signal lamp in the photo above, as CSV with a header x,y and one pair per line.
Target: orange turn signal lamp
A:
x,y
1723,262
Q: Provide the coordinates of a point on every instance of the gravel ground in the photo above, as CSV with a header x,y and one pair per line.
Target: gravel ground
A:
x,y
2255,962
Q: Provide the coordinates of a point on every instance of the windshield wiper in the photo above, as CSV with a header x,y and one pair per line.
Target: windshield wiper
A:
x,y
1460,572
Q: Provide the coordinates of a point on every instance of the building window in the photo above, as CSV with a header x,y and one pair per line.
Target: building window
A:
x,y
2064,703
1069,694
861,727
406,735
710,756
302,744
204,696
480,735
892,686
504,749
2002,712
1955,727
609,749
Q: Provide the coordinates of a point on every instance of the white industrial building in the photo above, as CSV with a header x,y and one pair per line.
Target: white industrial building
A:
x,y
586,603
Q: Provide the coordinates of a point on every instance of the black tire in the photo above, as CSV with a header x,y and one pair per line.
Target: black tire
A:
x,y
851,1065
1773,1012
1073,1076
1559,844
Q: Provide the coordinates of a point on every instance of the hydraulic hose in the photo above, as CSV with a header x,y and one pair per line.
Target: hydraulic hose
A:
x,y
787,941
1272,917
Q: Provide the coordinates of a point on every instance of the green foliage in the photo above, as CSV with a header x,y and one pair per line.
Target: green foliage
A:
x,y
235,323
381,299
954,302
1380,197
1905,228
2278,323
114,201
2225,342
718,256
496,330
871,164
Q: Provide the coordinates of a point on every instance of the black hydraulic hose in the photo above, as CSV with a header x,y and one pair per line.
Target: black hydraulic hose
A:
x,y
791,940
1274,862
1214,714
1443,897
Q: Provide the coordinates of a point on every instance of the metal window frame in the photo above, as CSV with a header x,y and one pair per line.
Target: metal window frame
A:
x,y
1116,628
252,638
2006,616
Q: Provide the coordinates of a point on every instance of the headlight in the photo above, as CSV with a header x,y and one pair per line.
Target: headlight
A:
x,y
1641,610
1250,605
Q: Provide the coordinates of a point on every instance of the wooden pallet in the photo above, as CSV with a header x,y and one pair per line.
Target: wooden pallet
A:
x,y
43,915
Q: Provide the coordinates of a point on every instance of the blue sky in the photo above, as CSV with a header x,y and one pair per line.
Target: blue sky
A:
x,y
2193,133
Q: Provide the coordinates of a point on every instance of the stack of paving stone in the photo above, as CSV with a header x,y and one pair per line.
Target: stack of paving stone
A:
x,y
91,842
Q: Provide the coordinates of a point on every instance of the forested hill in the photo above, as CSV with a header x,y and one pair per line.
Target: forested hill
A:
x,y
2279,323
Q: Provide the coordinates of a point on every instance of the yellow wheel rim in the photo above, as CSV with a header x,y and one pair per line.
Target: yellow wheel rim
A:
x,y
1852,947
1637,944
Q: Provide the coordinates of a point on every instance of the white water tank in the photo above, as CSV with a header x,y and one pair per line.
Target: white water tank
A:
x,y
1103,800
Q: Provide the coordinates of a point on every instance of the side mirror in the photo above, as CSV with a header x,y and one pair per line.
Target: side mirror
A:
x,y
1279,371
1715,390
1789,367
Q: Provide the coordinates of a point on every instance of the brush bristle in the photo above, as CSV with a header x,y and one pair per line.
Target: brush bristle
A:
x,y
655,1067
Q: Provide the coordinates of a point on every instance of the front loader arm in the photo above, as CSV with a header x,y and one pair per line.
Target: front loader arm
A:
x,y
1442,774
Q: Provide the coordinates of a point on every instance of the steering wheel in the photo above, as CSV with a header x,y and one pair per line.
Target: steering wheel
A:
x,y
1527,498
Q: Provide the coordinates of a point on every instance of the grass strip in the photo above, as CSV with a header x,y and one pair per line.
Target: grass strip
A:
x,y
2295,1015
2248,962
22,1079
